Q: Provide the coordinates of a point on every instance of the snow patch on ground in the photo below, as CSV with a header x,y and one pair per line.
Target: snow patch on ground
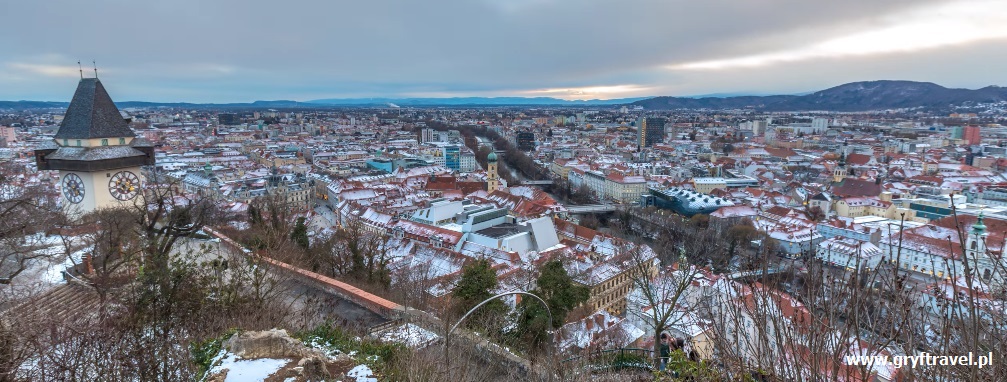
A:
x,y
246,370
410,335
361,373
324,347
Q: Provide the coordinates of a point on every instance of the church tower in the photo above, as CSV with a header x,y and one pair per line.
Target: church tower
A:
x,y
492,180
96,153
975,249
839,174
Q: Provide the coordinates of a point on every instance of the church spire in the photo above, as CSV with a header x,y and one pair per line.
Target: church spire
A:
x,y
979,228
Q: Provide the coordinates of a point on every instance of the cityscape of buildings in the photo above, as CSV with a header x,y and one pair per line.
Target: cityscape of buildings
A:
x,y
854,191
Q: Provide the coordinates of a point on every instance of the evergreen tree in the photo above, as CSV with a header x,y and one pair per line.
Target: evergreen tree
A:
x,y
559,291
728,148
254,216
300,234
477,281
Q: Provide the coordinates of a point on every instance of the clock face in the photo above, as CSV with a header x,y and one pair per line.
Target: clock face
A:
x,y
124,185
73,188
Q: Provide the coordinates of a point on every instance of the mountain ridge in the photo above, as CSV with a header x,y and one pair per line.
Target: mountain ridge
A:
x,y
849,97
346,102
462,101
853,96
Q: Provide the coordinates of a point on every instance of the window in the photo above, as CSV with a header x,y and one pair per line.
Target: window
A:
x,y
104,141
78,143
122,141
66,142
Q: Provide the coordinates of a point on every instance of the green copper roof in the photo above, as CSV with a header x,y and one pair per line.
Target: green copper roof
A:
x,y
979,228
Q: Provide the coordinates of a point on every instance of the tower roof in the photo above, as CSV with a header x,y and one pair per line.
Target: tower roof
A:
x,y
979,228
92,114
491,157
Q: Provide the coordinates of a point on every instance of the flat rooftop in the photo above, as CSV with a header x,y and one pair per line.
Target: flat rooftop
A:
x,y
501,231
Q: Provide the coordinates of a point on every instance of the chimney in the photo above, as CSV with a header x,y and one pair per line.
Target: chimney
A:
x,y
88,264
600,321
589,323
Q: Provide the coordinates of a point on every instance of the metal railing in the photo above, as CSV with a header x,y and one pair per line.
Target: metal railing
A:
x,y
616,359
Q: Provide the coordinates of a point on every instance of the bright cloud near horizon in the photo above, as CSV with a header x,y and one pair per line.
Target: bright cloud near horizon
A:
x,y
241,51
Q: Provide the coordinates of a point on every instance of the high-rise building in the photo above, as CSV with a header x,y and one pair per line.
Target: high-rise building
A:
x,y
427,135
98,156
8,134
525,140
228,119
819,125
650,130
452,157
971,135
958,132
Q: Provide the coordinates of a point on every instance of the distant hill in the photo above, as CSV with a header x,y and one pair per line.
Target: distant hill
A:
x,y
344,102
855,96
472,101
32,104
142,104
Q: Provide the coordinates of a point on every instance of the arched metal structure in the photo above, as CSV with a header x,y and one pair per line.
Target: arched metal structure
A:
x,y
547,310
447,337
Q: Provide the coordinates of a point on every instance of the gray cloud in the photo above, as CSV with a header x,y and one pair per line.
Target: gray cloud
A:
x,y
229,50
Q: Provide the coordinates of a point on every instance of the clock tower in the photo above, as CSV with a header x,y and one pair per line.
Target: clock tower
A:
x,y
96,153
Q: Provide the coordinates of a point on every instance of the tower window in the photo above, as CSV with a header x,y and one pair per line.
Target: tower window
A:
x,y
104,141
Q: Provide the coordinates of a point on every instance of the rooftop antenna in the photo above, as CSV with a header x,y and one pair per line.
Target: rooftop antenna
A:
x,y
95,69
81,69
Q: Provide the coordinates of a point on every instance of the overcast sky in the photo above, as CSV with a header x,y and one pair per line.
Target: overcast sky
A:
x,y
246,50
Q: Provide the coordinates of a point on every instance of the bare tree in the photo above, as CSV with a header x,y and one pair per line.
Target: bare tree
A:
x,y
110,245
356,252
28,211
663,291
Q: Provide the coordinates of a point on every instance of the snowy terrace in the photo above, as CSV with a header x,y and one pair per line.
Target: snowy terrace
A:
x,y
412,261
46,270
600,330
592,271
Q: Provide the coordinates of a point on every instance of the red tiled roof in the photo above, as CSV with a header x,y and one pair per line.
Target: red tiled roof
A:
x,y
856,187
858,159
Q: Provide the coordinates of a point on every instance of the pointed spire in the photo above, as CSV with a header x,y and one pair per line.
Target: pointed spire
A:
x,y
92,114
979,228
